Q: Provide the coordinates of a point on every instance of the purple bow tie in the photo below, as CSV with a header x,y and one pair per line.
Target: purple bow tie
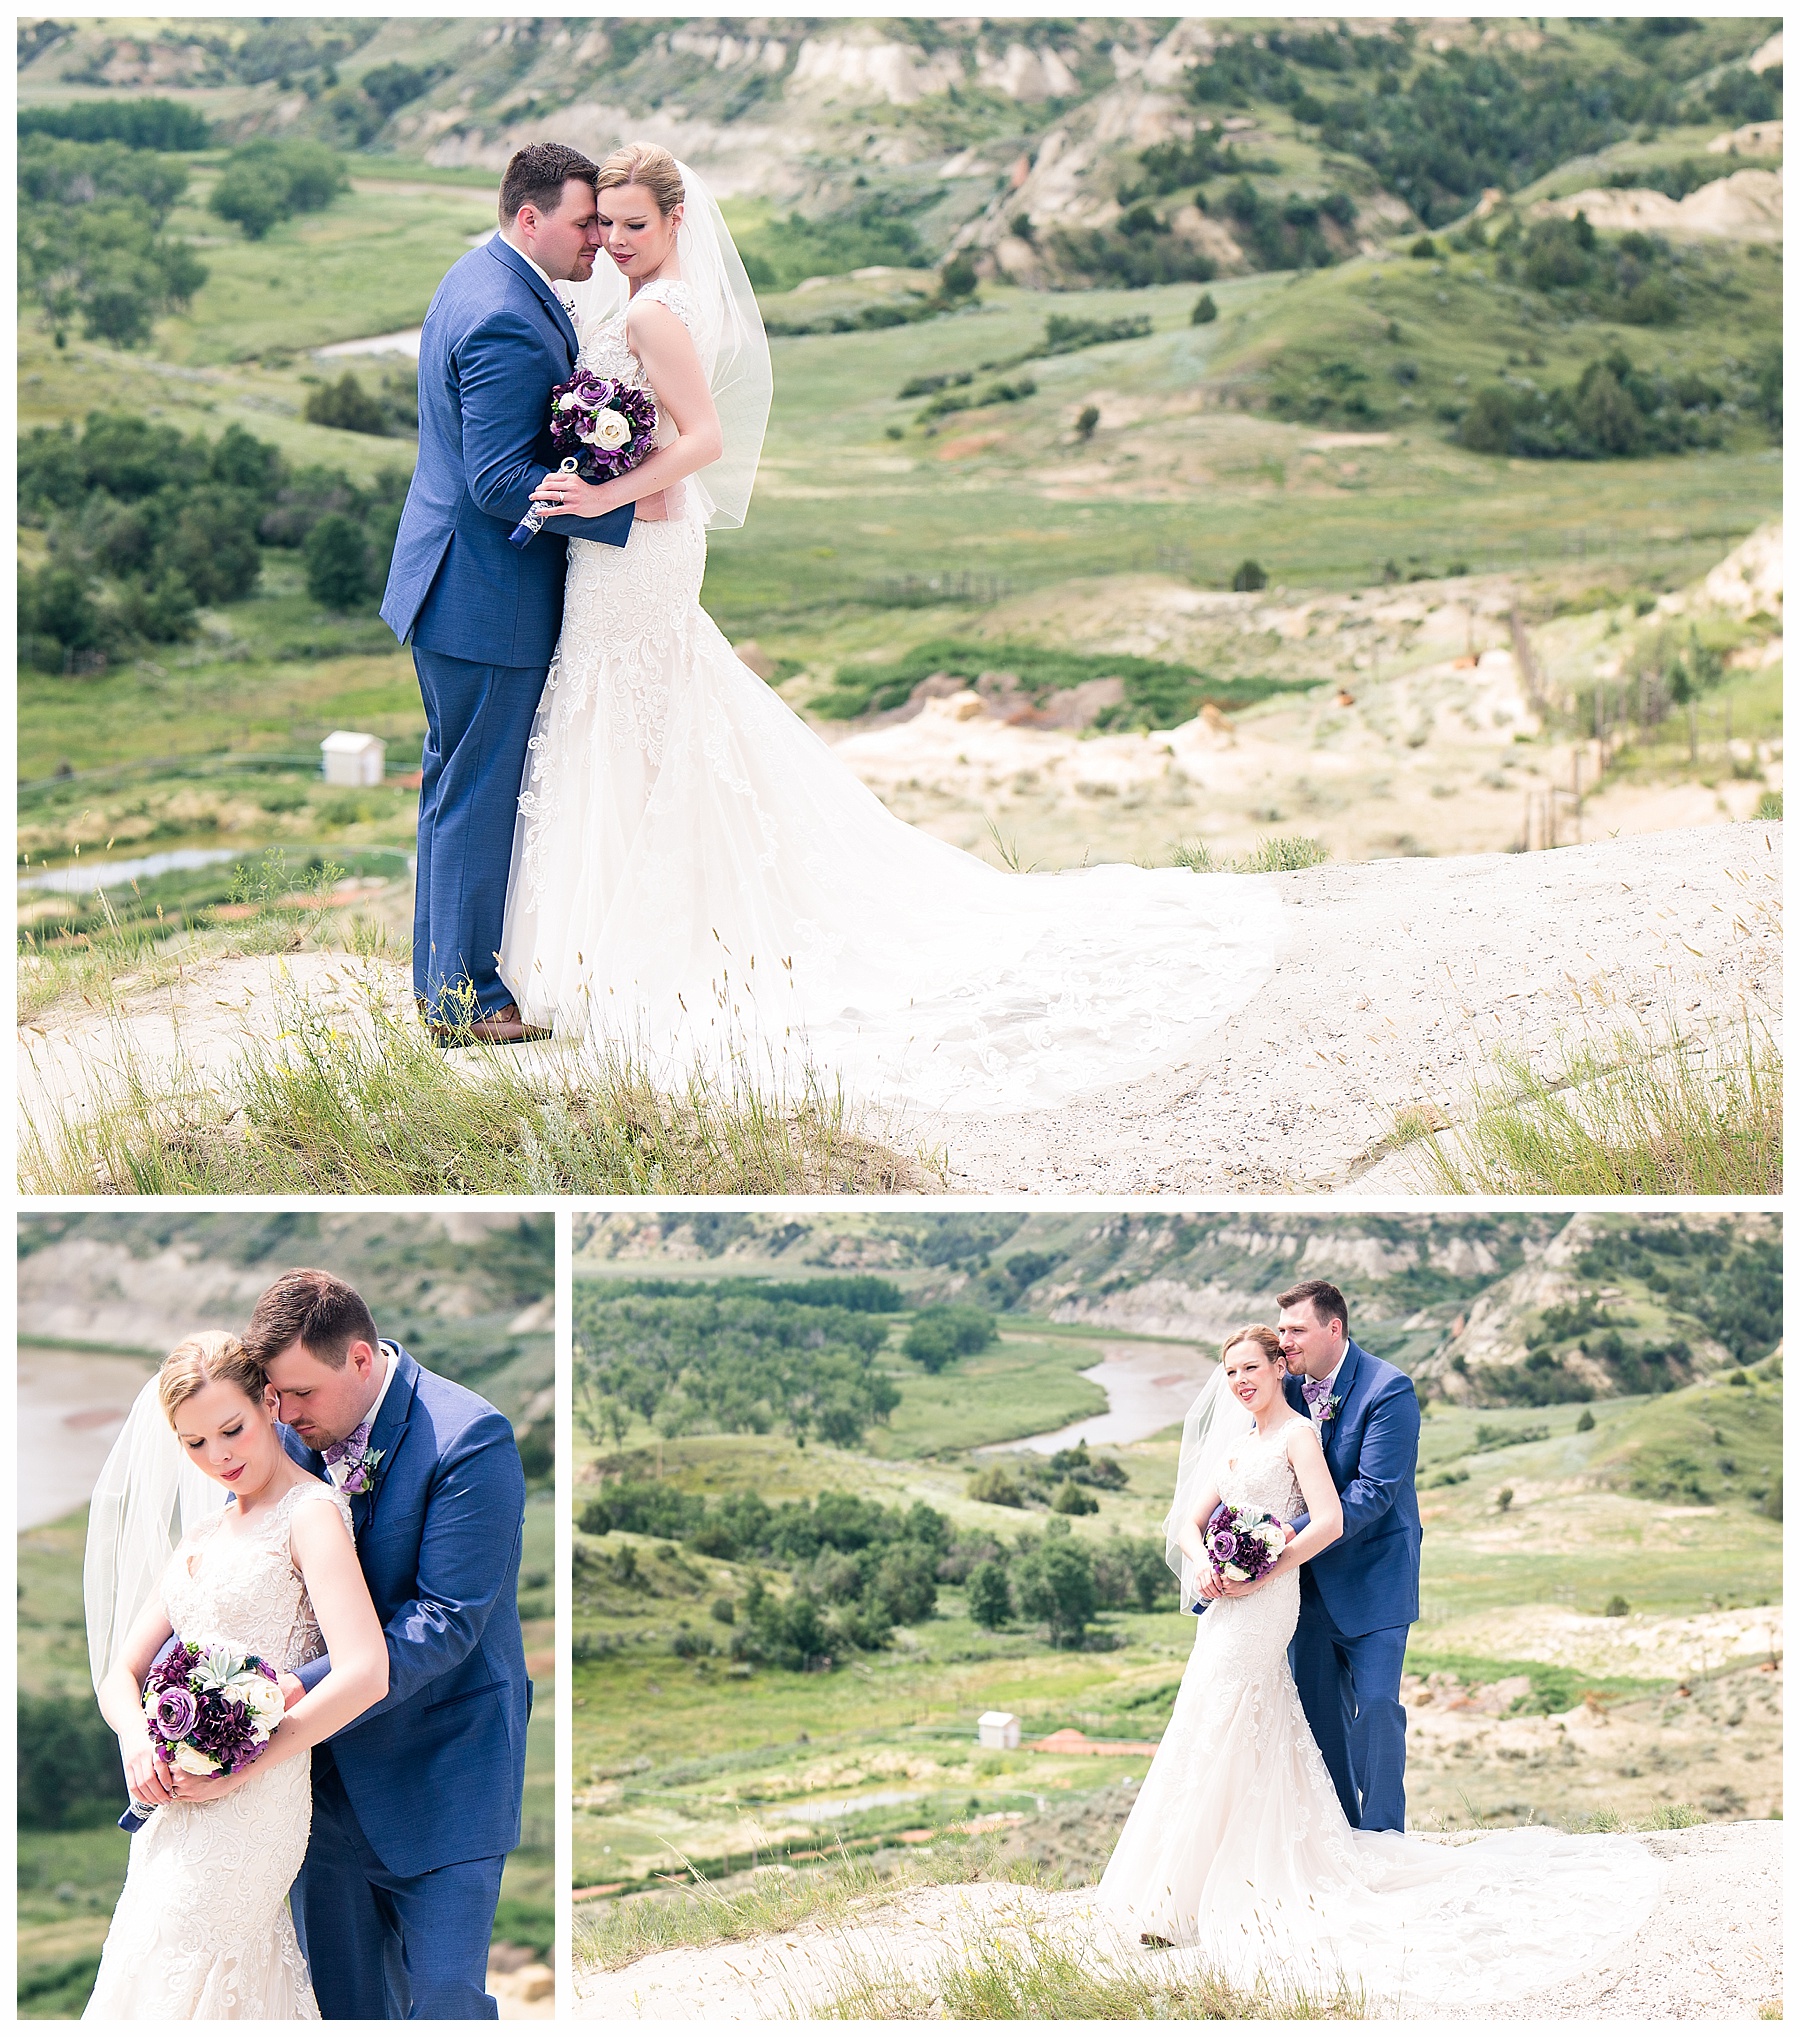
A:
x,y
1317,1392
354,1446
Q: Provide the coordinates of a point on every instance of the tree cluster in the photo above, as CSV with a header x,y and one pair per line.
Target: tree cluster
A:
x,y
946,1331
1633,278
92,249
1612,411
138,123
145,527
857,1570
1732,1289
265,182
1059,1581
727,1363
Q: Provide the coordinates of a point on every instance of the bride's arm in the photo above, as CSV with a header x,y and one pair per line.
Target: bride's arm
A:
x,y
1191,1537
121,1696
1324,1509
325,1556
672,362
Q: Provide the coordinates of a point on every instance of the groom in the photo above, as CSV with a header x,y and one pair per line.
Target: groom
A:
x,y
1359,1597
416,1803
483,615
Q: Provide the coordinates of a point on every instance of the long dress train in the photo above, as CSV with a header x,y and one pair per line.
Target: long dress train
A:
x,y
202,1930
1237,1844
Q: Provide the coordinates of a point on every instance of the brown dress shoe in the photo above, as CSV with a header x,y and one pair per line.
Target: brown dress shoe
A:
x,y
502,1028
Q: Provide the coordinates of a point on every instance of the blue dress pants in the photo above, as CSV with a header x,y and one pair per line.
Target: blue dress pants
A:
x,y
1350,1692
389,1947
477,726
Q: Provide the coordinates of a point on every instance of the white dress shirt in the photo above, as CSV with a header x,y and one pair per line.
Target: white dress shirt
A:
x,y
342,1469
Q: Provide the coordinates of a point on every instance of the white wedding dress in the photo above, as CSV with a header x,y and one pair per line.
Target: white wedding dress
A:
x,y
696,876
202,1930
1237,1844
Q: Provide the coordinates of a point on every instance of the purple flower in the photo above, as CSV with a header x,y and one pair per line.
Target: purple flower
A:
x,y
1224,1545
175,1713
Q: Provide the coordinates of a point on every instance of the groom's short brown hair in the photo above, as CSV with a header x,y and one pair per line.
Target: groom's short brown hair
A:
x,y
536,176
1326,1301
318,1311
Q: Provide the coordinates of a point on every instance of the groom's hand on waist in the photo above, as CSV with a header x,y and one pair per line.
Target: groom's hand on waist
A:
x,y
292,1689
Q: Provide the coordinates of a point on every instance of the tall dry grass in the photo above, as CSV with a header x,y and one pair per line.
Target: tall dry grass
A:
x,y
1629,1113
359,1101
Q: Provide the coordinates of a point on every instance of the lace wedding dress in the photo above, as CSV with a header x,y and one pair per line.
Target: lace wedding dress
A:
x,y
202,1930
696,875
1237,1844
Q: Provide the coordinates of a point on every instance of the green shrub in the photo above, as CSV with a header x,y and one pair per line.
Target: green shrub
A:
x,y
990,1596
337,563
995,1488
1054,1584
957,278
1205,310
945,1332
70,1775
345,405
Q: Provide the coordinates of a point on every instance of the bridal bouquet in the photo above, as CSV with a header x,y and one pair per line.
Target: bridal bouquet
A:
x,y
606,426
210,1709
601,428
1243,1543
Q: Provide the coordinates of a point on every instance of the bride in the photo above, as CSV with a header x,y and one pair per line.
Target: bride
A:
x,y
263,1561
1237,1843
692,869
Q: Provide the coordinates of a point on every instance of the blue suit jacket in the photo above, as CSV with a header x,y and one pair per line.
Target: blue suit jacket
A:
x,y
496,341
1369,1577
436,1771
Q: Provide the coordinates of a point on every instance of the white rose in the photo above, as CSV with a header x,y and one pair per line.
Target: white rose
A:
x,y
266,1704
1236,1575
609,431
192,1762
569,402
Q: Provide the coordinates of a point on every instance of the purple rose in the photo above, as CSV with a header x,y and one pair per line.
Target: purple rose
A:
x,y
175,1714
1224,1545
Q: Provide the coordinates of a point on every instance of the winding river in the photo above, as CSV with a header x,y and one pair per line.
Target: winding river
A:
x,y
71,1405
1148,1388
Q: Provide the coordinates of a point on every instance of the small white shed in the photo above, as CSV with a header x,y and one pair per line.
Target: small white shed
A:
x,y
997,1729
353,759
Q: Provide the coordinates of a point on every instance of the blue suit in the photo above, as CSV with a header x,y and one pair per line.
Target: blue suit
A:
x,y
1359,1598
416,1802
482,615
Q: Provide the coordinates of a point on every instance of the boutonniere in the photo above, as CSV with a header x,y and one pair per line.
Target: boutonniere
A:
x,y
1327,1409
361,1477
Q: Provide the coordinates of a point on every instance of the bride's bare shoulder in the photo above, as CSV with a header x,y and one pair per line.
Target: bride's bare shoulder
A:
x,y
1302,1439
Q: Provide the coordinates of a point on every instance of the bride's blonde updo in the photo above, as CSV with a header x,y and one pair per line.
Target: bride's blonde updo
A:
x,y
214,1357
1259,1334
642,162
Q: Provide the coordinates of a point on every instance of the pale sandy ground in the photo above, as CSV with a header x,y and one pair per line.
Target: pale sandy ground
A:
x,y
1711,1949
1394,984
1416,732
526,1994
